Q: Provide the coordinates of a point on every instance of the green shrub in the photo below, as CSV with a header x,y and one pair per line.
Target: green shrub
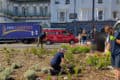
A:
x,y
80,49
35,67
2,68
4,75
53,52
16,65
49,77
69,56
33,51
8,55
99,61
92,60
36,51
29,75
66,46
41,51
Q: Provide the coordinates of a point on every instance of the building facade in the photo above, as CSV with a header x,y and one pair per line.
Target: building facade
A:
x,y
25,11
63,11
58,11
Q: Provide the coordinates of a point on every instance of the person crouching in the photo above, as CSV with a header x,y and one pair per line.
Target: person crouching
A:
x,y
57,60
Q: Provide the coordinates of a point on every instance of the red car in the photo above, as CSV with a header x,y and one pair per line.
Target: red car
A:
x,y
59,36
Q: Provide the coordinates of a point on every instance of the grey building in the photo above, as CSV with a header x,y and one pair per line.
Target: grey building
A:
x,y
25,11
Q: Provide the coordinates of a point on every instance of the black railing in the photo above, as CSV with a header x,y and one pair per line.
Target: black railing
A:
x,y
30,16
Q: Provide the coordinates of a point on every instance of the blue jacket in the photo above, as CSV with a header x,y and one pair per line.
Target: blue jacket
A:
x,y
115,47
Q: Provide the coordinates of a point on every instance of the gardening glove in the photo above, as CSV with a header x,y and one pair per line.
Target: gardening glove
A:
x,y
112,38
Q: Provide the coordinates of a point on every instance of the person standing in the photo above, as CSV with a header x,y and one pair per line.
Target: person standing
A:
x,y
40,39
83,37
114,39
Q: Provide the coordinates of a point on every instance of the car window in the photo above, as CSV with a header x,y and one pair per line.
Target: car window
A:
x,y
51,33
65,33
117,27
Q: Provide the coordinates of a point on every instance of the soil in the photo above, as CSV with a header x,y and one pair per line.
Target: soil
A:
x,y
28,60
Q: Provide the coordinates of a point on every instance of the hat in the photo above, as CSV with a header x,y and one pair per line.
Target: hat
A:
x,y
62,49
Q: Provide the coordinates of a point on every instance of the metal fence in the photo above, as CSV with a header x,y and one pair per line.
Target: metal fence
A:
x,y
76,27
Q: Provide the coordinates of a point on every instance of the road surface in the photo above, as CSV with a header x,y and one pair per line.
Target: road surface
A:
x,y
20,45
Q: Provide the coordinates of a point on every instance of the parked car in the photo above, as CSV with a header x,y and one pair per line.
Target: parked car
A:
x,y
59,36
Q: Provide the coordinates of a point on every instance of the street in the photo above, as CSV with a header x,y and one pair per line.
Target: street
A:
x,y
20,45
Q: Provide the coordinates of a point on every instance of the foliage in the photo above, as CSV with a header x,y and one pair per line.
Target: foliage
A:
x,y
69,56
36,51
1,68
49,77
66,46
77,49
80,49
30,75
98,60
4,75
8,54
35,67
53,52
16,65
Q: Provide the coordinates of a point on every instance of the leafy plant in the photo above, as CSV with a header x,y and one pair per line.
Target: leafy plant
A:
x,y
68,47
16,65
41,51
30,75
2,68
4,75
49,77
69,56
53,52
35,67
8,55
99,61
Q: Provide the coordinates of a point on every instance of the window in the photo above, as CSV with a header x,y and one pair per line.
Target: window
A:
x,y
67,2
23,11
1,5
100,1
41,11
57,2
100,15
34,10
115,14
118,1
46,11
65,33
62,16
15,9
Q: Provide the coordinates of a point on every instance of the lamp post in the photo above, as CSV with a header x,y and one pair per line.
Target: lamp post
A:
x,y
75,16
93,10
93,18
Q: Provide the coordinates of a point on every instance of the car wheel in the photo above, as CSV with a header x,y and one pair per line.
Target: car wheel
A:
x,y
72,42
48,42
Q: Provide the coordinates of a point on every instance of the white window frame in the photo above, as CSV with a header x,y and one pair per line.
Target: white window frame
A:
x,y
98,15
34,10
62,19
100,2
58,16
16,11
